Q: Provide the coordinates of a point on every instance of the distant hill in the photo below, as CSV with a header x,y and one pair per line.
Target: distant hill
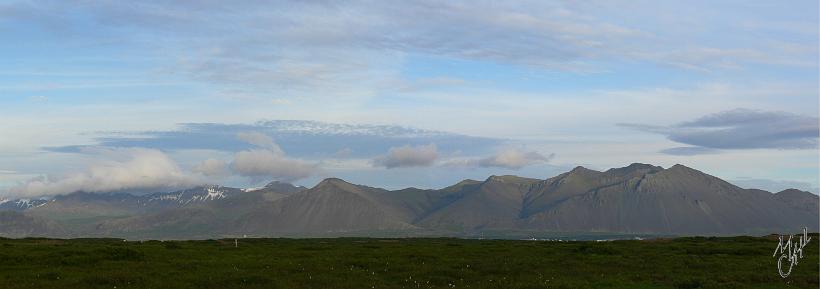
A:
x,y
638,199
16,224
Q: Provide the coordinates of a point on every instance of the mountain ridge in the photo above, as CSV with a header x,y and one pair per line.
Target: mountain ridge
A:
x,y
636,199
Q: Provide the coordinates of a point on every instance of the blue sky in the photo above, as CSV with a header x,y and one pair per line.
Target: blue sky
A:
x,y
153,95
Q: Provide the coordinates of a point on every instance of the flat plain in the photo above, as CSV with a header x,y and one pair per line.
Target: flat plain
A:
x,y
692,262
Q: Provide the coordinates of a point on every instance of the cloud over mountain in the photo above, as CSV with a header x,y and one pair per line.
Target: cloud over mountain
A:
x,y
268,161
509,158
514,159
211,168
266,164
124,170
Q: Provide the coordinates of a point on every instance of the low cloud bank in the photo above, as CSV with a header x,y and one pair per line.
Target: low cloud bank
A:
x,y
268,161
264,164
133,169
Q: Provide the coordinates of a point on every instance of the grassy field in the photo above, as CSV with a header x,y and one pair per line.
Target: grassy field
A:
x,y
740,262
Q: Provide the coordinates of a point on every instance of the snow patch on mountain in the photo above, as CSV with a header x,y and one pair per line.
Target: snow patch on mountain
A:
x,y
212,194
199,194
21,204
28,203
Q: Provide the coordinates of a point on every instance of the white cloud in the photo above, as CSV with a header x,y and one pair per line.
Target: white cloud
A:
x,y
509,158
311,53
408,156
260,163
211,168
260,140
130,169
514,159
269,162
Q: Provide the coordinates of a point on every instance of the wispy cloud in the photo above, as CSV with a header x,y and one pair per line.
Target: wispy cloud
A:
x,y
335,47
552,75
260,140
689,151
740,129
298,138
508,158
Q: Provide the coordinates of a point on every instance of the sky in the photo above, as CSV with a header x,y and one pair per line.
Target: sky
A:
x,y
145,96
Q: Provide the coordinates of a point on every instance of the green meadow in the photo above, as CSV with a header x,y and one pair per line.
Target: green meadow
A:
x,y
735,262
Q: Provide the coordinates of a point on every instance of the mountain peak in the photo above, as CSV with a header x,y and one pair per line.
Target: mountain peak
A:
x,y
282,187
680,167
579,170
638,166
332,182
798,199
275,184
511,179
461,184
793,192
466,182
635,167
679,170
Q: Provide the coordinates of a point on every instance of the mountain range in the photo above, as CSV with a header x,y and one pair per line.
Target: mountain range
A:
x,y
639,199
